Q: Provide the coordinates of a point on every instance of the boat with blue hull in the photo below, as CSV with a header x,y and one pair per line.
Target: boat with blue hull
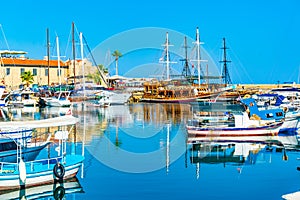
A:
x,y
39,171
63,166
246,120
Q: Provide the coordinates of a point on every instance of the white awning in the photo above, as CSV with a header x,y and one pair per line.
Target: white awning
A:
x,y
117,77
51,122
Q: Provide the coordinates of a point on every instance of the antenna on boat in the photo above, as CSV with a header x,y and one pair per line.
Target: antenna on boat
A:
x,y
198,56
225,73
167,56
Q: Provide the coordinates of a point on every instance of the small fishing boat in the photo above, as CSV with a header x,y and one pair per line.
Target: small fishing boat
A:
x,y
107,97
273,113
60,99
64,166
244,123
26,174
21,98
243,126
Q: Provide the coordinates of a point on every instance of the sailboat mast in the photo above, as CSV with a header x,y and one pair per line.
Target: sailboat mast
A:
x,y
48,55
82,63
58,60
186,70
73,51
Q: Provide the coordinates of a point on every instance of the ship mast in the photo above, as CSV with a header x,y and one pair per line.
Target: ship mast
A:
x,y
198,56
225,73
186,70
167,56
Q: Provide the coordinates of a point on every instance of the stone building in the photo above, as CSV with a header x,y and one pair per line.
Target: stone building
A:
x,y
14,63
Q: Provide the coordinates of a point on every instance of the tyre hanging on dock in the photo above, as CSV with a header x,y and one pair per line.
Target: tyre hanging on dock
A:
x,y
59,171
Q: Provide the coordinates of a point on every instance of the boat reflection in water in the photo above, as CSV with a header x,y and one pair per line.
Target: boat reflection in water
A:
x,y
239,153
55,191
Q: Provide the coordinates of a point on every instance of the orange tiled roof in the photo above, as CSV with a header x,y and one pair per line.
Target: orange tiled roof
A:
x,y
30,62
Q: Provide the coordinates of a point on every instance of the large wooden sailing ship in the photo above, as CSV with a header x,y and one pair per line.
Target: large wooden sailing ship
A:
x,y
173,91
169,91
185,89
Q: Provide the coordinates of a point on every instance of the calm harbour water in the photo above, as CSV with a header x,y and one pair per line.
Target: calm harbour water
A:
x,y
140,151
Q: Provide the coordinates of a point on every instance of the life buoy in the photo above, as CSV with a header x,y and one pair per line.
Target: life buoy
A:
x,y
59,171
59,192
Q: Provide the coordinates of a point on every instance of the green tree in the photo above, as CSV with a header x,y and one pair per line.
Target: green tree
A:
x,y
96,77
117,54
103,69
27,77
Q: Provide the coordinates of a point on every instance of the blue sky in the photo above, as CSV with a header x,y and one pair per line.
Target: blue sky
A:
x,y
263,36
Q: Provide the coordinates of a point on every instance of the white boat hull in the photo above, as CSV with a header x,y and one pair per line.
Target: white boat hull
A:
x,y
58,103
112,98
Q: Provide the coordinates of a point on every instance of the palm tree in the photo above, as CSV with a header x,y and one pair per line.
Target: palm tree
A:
x,y
103,68
117,54
27,77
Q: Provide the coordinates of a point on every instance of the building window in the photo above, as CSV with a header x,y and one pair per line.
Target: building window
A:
x,y
22,70
46,72
7,71
34,72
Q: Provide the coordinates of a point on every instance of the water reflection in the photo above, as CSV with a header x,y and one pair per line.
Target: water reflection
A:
x,y
63,190
146,137
237,154
142,138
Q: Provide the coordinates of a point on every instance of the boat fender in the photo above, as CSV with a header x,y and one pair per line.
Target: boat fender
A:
x,y
59,192
22,172
59,171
